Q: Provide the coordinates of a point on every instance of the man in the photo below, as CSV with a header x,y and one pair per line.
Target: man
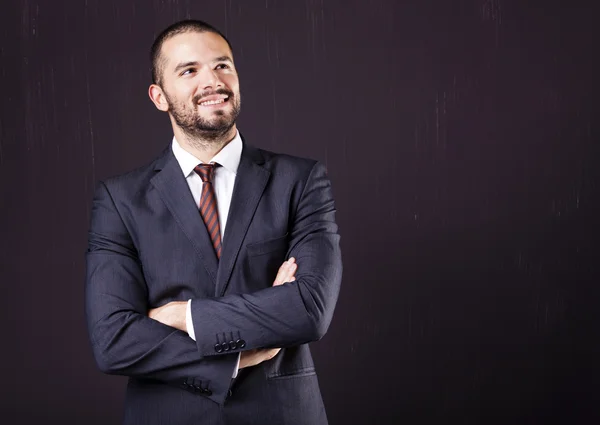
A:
x,y
187,289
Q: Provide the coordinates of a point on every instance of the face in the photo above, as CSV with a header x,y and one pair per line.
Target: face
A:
x,y
199,84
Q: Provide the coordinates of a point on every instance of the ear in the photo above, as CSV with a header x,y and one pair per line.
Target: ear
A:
x,y
157,96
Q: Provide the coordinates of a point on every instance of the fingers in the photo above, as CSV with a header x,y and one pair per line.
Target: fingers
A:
x,y
291,270
267,354
272,353
286,272
254,357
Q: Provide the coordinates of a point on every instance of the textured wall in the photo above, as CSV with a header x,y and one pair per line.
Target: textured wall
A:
x,y
470,244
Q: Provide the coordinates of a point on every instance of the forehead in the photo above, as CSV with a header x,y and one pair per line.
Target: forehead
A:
x,y
194,46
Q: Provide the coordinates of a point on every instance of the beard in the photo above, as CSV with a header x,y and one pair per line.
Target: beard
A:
x,y
195,126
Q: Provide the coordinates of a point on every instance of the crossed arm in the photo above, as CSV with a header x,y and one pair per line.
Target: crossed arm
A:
x,y
126,341
174,314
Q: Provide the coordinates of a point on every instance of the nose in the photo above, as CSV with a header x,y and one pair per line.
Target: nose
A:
x,y
210,79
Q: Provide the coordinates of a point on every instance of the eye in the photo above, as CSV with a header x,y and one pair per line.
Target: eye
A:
x,y
222,66
188,71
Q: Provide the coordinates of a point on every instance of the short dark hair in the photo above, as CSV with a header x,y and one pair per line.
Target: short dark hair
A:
x,y
188,25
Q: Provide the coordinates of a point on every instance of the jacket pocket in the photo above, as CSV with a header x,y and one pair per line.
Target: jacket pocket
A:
x,y
297,373
290,362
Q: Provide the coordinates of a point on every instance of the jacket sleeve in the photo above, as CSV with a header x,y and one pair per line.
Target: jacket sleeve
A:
x,y
295,312
125,341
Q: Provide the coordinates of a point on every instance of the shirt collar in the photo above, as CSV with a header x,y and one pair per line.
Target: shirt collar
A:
x,y
228,157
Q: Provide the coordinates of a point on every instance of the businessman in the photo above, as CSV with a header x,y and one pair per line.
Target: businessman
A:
x,y
211,269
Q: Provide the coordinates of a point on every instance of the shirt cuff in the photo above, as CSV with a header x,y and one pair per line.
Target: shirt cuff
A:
x,y
237,366
189,325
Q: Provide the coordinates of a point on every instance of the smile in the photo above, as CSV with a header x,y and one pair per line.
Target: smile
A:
x,y
212,101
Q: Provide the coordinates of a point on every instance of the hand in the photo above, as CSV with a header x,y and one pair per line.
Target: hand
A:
x,y
171,314
286,272
253,357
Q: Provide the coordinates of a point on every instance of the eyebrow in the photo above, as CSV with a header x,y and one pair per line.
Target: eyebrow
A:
x,y
195,63
224,58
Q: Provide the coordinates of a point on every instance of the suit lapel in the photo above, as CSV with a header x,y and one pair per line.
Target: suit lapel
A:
x,y
250,183
174,191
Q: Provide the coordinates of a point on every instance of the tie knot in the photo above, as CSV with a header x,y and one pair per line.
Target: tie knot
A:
x,y
206,171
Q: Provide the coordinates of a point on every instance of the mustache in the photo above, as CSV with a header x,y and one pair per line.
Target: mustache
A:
x,y
200,96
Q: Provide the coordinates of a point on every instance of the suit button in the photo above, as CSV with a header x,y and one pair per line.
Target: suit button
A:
x,y
218,348
232,345
225,346
240,343
207,391
197,388
185,384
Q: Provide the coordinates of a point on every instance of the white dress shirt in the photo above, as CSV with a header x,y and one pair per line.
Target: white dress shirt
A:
x,y
224,179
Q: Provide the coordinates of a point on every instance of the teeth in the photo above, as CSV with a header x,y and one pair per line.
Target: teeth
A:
x,y
212,102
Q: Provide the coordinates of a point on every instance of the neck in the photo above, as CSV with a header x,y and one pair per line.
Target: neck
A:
x,y
204,148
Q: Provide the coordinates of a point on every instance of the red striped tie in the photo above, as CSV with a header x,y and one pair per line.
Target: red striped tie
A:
x,y
208,205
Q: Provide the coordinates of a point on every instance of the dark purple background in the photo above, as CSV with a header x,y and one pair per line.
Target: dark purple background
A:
x,y
462,141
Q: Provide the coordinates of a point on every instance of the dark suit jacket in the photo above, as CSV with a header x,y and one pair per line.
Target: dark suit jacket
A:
x,y
148,246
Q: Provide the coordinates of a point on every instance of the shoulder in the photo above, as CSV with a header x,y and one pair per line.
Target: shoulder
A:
x,y
287,165
134,180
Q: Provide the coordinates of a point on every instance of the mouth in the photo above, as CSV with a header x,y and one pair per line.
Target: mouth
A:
x,y
214,100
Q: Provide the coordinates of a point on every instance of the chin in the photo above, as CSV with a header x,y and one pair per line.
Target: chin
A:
x,y
221,125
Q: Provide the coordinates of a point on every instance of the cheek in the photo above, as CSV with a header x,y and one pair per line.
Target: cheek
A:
x,y
232,82
184,90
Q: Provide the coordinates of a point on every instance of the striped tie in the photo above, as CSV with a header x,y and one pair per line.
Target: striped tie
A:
x,y
208,205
